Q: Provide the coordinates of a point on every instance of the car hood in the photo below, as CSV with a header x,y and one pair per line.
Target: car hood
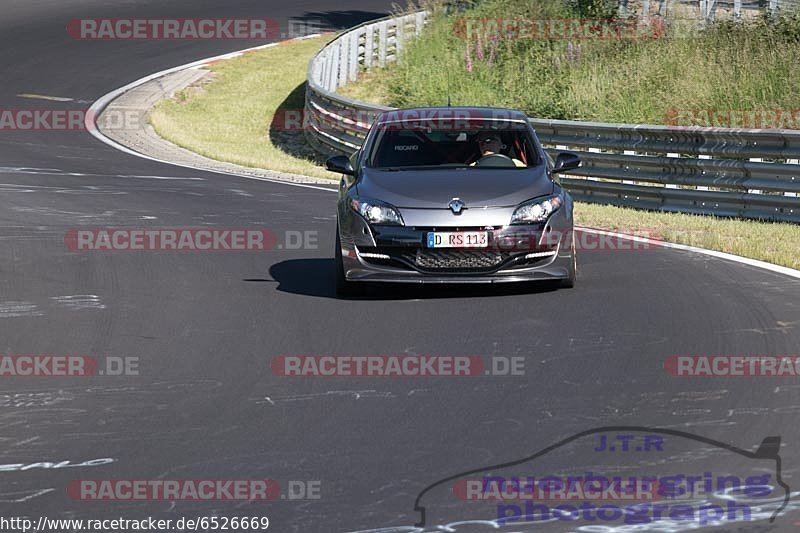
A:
x,y
433,189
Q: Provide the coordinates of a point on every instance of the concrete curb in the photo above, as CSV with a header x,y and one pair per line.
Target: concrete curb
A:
x,y
138,99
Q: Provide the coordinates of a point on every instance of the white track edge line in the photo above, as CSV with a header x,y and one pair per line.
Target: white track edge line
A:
x,y
686,248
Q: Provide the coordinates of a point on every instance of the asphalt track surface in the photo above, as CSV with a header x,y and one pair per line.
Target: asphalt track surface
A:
x,y
205,326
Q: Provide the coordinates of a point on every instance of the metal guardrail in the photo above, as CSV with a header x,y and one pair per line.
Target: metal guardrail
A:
x,y
720,171
338,124
711,10
708,8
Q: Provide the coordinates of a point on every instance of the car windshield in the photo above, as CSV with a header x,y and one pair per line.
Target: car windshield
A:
x,y
406,145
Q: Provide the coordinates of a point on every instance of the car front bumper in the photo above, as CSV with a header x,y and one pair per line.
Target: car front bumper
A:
x,y
399,255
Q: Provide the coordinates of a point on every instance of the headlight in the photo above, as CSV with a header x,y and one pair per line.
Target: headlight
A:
x,y
376,212
537,210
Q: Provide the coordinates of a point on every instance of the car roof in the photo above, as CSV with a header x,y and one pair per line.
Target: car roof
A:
x,y
445,112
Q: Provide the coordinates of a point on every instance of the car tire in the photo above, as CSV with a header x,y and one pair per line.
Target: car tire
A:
x,y
343,287
568,283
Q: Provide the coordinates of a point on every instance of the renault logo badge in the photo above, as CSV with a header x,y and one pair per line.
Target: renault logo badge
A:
x,y
456,206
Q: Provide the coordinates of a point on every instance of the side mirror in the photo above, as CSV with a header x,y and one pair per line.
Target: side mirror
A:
x,y
340,164
566,161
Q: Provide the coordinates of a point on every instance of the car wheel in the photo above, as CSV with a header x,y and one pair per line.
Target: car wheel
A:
x,y
343,287
569,282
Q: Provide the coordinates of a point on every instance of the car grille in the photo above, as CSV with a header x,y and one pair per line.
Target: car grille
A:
x,y
455,259
507,251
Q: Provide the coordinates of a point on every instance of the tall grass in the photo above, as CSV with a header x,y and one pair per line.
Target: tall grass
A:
x,y
725,66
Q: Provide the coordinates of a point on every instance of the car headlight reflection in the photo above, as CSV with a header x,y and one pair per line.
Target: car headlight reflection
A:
x,y
537,210
376,212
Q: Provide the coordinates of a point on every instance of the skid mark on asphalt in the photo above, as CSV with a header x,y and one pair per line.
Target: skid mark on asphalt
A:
x,y
23,496
48,211
55,465
169,178
34,399
30,170
239,192
83,190
60,172
19,309
26,441
32,96
700,396
779,327
356,395
78,302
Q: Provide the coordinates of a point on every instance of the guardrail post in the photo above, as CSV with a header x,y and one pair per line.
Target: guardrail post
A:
x,y
369,41
628,152
755,160
707,9
703,187
420,22
645,14
383,38
317,71
352,65
333,78
399,36
341,76
674,156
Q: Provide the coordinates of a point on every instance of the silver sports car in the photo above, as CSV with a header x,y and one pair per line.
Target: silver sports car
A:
x,y
453,195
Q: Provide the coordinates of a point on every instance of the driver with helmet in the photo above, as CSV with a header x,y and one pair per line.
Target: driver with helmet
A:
x,y
490,143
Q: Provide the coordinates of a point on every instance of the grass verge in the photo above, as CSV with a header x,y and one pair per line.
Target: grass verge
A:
x,y
228,118
668,70
775,243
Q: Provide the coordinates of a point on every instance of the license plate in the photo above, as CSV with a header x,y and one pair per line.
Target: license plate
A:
x,y
458,239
